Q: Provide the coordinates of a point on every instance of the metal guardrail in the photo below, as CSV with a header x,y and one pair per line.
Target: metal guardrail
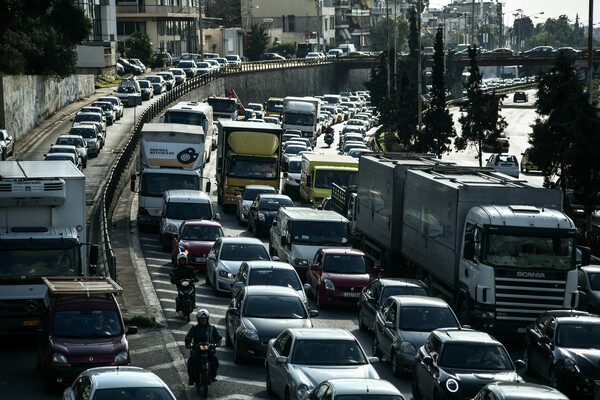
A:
x,y
107,258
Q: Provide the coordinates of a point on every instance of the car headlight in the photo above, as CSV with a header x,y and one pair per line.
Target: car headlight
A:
x,y
244,207
300,261
329,285
572,367
452,385
122,357
182,249
171,228
250,334
408,348
261,217
226,274
59,358
301,391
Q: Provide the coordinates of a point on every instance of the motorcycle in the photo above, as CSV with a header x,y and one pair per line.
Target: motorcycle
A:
x,y
328,139
186,297
202,370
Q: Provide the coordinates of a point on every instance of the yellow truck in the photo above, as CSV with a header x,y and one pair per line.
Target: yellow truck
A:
x,y
320,171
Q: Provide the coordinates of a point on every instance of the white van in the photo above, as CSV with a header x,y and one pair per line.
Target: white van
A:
x,y
347,48
179,205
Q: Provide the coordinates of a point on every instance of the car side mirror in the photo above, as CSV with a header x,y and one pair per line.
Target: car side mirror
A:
x,y
175,235
132,330
389,324
306,287
217,217
274,258
279,360
315,267
212,257
520,364
427,360
314,313
208,185
373,360
234,312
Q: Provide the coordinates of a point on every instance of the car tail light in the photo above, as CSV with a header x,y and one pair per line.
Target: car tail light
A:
x,y
496,163
516,163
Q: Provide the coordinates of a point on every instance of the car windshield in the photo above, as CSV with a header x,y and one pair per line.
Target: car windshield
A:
x,y
322,233
251,193
201,233
403,291
86,323
295,166
274,277
278,307
475,356
506,250
126,89
294,149
222,105
70,141
203,65
232,58
145,84
110,100
87,117
186,64
59,157
578,335
594,278
243,252
325,178
298,119
426,319
154,79
166,76
274,204
188,210
344,264
104,106
177,72
151,393
85,133
328,352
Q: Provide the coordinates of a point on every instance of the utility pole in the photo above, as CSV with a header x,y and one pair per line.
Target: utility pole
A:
x,y
200,7
419,74
589,55
473,24
320,25
387,38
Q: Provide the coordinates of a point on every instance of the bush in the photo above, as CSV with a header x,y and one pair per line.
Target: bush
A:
x,y
285,49
140,321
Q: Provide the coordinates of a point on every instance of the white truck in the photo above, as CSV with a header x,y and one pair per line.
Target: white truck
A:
x,y
42,233
302,113
171,157
495,247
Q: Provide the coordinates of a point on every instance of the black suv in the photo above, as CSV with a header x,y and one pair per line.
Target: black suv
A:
x,y
520,96
563,347
455,363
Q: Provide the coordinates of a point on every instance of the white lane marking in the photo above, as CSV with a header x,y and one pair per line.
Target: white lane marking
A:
x,y
158,347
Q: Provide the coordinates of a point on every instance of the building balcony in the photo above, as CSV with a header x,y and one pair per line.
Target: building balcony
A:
x,y
341,24
342,4
360,32
133,9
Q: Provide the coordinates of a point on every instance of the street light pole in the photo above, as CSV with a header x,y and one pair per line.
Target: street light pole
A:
x,y
320,25
387,37
200,7
419,74
589,55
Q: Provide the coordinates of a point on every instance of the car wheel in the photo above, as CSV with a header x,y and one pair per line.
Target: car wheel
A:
x,y
415,391
268,383
528,368
215,284
395,367
552,378
237,357
287,394
375,347
318,299
361,323
228,341
250,227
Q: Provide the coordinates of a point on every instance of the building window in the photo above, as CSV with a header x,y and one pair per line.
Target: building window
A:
x,y
125,28
331,23
291,23
326,24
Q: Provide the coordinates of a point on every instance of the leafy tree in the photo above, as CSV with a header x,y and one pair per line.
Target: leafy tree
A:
x,y
398,33
39,37
558,32
228,11
285,49
439,127
377,85
406,113
566,135
481,124
256,43
138,46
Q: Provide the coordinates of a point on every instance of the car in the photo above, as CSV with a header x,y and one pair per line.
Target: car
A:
x,y
402,325
138,63
520,96
315,55
127,90
203,67
589,288
526,163
291,150
108,110
169,78
179,74
187,56
76,130
214,64
518,391
89,133
353,145
7,144
353,129
357,122
272,56
98,118
117,105
337,275
258,109
233,59
166,57
272,120
263,210
103,383
292,175
568,50
78,142
195,238
454,363
540,50
225,258
247,197
189,67
260,313
504,163
147,89
299,359
501,52
563,348
158,83
356,152
210,56
269,273
64,157
289,136
376,293
340,388
334,53
129,67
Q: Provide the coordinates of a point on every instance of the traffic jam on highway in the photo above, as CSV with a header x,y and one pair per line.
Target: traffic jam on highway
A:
x,y
292,259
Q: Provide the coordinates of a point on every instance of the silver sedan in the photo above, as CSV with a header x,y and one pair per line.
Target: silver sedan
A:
x,y
299,359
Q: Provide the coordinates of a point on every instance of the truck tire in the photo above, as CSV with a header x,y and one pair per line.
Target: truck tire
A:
x,y
463,312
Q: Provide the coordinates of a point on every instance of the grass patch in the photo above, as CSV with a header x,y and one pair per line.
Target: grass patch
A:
x,y
105,81
141,321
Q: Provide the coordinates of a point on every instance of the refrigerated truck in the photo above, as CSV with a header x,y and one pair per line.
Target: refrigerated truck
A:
x,y
302,113
42,233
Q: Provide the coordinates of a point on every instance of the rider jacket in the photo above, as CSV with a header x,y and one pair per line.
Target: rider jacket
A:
x,y
202,334
180,273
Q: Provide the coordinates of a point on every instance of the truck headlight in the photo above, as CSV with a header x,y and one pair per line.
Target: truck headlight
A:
x,y
250,334
452,385
300,262
171,228
122,357
59,358
261,217
329,285
408,348
301,391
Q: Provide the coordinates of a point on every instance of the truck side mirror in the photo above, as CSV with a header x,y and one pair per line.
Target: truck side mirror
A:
x,y
283,241
469,250
132,185
308,181
93,260
586,255
208,185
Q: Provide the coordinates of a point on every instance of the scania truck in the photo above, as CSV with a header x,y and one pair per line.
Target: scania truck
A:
x,y
171,157
248,153
495,247
302,113
42,233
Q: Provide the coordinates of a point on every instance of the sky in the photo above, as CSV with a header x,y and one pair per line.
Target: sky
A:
x,y
551,9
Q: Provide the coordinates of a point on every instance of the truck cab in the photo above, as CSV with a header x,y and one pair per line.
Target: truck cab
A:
x,y
81,327
319,172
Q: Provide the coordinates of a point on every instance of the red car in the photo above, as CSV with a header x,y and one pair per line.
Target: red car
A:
x,y
337,276
197,237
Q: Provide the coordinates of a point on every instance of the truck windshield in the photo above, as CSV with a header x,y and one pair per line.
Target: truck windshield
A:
x,y
187,118
265,168
189,211
223,106
275,106
86,323
320,233
25,263
325,178
298,119
504,250
155,184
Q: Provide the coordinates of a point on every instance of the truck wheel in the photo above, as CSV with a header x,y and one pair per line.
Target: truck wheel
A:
x,y
415,391
463,313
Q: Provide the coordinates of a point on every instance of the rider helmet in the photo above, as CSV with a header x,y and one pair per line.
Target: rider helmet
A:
x,y
203,313
182,256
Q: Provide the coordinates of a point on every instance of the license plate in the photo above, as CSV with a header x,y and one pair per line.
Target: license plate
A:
x,y
520,330
31,323
351,294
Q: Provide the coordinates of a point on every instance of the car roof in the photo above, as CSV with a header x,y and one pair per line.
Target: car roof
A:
x,y
572,314
591,268
255,187
447,335
60,156
354,386
401,282
70,137
122,377
524,391
266,264
341,251
201,222
239,239
63,146
273,196
321,333
410,301
259,290
311,214
186,195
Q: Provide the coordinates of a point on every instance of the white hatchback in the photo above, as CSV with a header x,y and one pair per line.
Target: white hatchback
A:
x,y
504,163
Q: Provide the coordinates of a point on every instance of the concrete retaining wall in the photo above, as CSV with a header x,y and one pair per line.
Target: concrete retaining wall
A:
x,y
25,100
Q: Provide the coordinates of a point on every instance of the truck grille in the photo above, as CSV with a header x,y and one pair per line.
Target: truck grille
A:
x,y
524,299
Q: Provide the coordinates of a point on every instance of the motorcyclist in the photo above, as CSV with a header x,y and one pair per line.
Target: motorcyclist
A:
x,y
203,332
181,271
329,135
